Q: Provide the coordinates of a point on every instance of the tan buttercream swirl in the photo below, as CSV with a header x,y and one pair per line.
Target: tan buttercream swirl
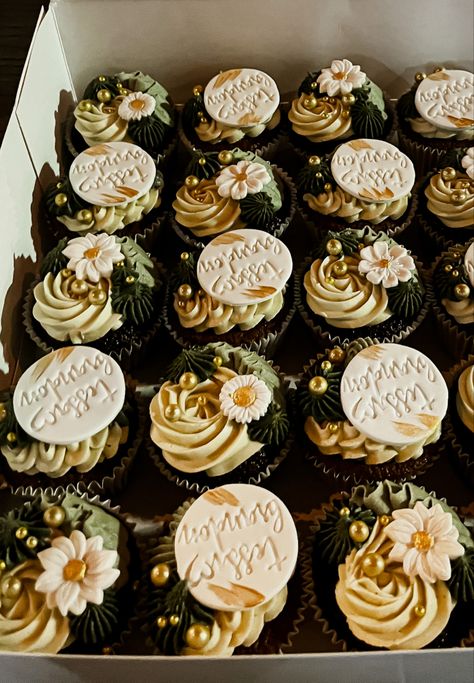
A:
x,y
343,205
351,444
380,611
213,132
68,317
324,122
109,219
428,130
347,302
462,311
55,460
202,312
202,439
27,624
204,211
102,123
465,397
438,193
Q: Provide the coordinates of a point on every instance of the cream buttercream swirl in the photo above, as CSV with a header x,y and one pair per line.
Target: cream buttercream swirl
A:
x,y
462,311
380,611
351,444
202,312
325,122
428,130
71,317
439,195
465,397
340,204
213,132
55,460
27,624
101,123
347,302
202,438
204,211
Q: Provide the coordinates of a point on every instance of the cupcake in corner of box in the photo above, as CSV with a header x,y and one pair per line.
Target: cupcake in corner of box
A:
x,y
459,435
70,423
361,283
364,182
66,576
219,416
236,107
436,116
372,410
236,290
198,600
229,190
393,568
335,104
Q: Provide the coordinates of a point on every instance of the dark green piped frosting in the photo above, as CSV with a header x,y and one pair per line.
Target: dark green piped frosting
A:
x,y
406,105
198,359
367,119
444,280
257,210
191,111
9,424
149,133
71,207
98,623
328,405
55,260
312,179
348,238
333,537
13,550
185,273
461,583
111,83
406,299
134,301
305,86
204,171
272,428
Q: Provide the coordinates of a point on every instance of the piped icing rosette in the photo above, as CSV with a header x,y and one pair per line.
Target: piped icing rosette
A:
x,y
128,107
465,397
218,407
64,568
189,614
401,560
454,283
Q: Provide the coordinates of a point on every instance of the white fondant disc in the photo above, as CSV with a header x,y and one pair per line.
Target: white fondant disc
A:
x,y
372,170
236,547
244,267
393,394
469,263
69,395
446,99
112,174
241,97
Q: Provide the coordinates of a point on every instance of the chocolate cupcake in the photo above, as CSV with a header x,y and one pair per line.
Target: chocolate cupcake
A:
x,y
458,436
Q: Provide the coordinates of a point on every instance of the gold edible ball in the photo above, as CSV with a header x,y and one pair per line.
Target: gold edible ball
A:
x,y
313,85
31,542
172,412
174,620
188,380
161,622
448,268
419,76
79,287
462,291
65,273
54,516
326,365
101,79
184,256
336,355
325,98
317,385
333,247
359,531
21,532
97,297
345,114
465,185
328,187
318,174
458,196
185,291
455,273
448,173
348,100
197,636
384,520
202,161
3,565
314,160
191,181
340,268
330,280
85,105
217,360
344,512
11,587
420,611
160,574
130,279
11,437
104,95
107,650
373,564
333,427
120,264
225,157
203,119
197,90
310,102
3,412
84,216
202,400
60,199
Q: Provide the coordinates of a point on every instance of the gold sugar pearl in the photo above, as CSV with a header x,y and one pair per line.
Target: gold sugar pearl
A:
x,y
130,279
359,531
11,437
420,76
184,256
455,273
54,516
197,636
31,542
172,412
326,365
185,291
419,611
448,173
104,95
97,297
60,199
448,268
3,412
102,79
217,360
313,85
225,157
327,187
314,160
174,620
330,280
333,247
318,174
317,386
462,291
202,400
161,622
79,287
84,216
21,532
107,651
348,100
160,574
310,102
333,427
188,381
202,161
340,268
11,587
384,520
197,90
344,512
373,564
336,355
191,181
3,565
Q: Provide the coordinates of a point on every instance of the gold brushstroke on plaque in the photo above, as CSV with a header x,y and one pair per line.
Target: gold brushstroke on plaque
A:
x,y
408,429
113,199
438,76
359,144
97,150
430,421
128,191
238,596
228,238
221,497
248,119
459,121
371,352
60,355
259,292
376,195
226,76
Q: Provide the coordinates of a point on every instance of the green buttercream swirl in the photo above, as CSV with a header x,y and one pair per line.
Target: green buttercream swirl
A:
x,y
137,259
148,132
198,359
134,301
444,280
305,86
207,170
348,238
327,406
367,119
406,298
312,179
461,583
193,107
184,272
98,623
55,261
71,207
257,210
406,105
110,83
272,428
333,538
14,551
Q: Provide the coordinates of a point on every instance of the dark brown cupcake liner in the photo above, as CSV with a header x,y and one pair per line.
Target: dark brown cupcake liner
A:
x,y
442,236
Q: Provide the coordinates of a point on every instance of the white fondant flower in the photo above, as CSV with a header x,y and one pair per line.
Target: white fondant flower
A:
x,y
76,571
385,266
245,398
238,180
425,540
341,77
467,162
135,106
93,256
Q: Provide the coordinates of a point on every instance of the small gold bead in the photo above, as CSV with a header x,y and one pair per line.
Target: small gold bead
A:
x,y
188,381
217,360
333,247
3,565
359,531
107,651
420,76
384,520
31,542
181,304
11,437
330,280
79,287
191,181
328,187
340,268
455,273
313,85
310,102
21,532
318,174
203,120
11,587
59,186
202,400
185,291
314,160
458,196
336,355
97,297
332,100
200,114
345,114
84,216
197,636
462,291
161,622
3,412
54,516
448,173
317,385
360,246
348,100
130,279
160,574
344,512
325,98
60,199
326,116
420,611
120,264
373,564
225,157
104,95
326,365
184,256
65,273
172,412
197,90
465,185
85,105
202,161
333,427
101,79
174,620
456,254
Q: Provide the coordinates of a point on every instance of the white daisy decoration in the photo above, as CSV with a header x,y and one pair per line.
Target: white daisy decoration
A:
x,y
386,266
241,179
425,540
93,256
136,106
245,398
76,571
467,162
340,78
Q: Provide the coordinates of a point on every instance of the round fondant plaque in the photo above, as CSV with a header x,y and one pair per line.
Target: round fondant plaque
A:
x,y
244,267
111,174
241,97
236,547
446,99
372,170
393,394
69,395
469,263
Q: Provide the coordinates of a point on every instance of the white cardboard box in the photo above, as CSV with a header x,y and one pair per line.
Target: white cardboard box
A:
x,y
183,42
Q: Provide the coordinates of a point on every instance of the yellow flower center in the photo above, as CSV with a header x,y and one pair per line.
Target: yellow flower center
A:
x,y
137,104
384,263
91,253
241,176
422,540
244,397
339,75
75,570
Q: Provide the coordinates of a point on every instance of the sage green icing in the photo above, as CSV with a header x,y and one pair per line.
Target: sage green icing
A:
x,y
192,111
14,551
332,537
71,207
137,260
98,623
198,359
373,93
348,238
271,188
140,82
461,583
92,520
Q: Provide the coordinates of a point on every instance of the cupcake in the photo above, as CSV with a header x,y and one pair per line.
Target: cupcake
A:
x,y
360,283
365,182
200,600
230,190
219,416
125,107
235,290
436,116
393,568
99,289
335,104
71,423
66,576
236,107
453,284
372,411
459,434
91,200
